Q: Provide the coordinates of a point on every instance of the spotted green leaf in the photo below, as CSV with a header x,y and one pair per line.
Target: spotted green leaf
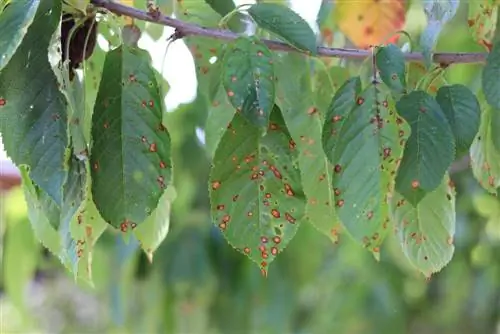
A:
x,y
485,157
287,24
130,157
482,18
429,151
426,231
155,228
255,189
15,19
391,64
366,146
302,113
438,13
85,229
461,108
248,77
32,109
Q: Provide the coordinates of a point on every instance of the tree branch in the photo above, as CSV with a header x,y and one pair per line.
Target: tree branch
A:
x,y
188,29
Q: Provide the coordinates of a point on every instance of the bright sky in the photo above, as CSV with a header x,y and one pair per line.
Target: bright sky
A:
x,y
178,67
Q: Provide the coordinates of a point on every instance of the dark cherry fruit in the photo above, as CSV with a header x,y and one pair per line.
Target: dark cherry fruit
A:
x,y
77,54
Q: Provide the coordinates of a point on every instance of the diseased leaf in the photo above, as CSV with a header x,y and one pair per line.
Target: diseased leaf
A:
x,y
255,189
482,20
248,77
426,231
461,108
365,144
15,20
370,23
490,75
391,64
85,228
32,109
438,13
342,103
74,194
154,229
285,23
429,151
485,158
130,157
302,114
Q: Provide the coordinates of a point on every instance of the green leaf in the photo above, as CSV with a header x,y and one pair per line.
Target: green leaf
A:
x,y
248,77
426,231
326,83
429,151
285,23
155,228
490,75
302,114
461,108
366,145
86,228
438,13
220,114
224,7
342,103
255,189
42,228
15,20
391,64
208,73
32,109
482,19
130,156
74,194
495,128
485,158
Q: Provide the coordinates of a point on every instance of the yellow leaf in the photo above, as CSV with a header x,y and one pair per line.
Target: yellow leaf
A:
x,y
370,22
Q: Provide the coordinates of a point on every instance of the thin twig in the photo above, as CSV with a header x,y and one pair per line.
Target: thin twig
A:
x,y
188,29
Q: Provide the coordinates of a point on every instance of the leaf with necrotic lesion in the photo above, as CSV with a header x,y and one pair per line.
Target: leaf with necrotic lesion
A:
x,y
255,189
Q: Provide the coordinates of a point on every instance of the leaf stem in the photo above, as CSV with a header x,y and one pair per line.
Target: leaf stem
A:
x,y
188,29
228,16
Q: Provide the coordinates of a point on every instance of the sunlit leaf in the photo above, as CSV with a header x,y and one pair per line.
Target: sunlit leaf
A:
x,y
429,151
248,77
130,157
426,231
368,23
32,110
285,23
255,189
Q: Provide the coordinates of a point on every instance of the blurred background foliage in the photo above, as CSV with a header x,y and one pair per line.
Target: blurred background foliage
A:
x,y
198,284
